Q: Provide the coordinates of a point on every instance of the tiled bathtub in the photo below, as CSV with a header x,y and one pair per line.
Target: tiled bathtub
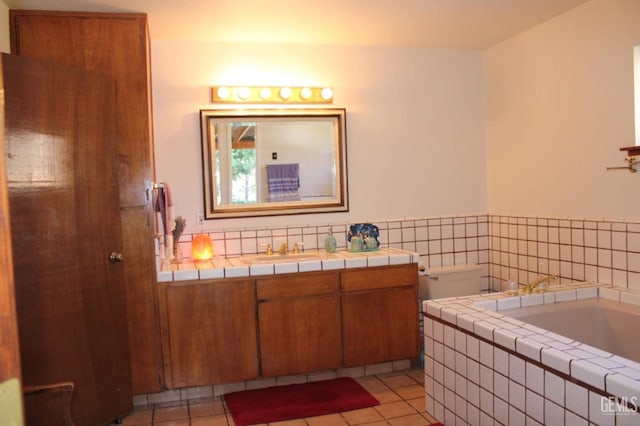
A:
x,y
483,367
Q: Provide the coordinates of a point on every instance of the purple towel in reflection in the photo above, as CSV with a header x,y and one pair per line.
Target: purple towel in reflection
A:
x,y
283,181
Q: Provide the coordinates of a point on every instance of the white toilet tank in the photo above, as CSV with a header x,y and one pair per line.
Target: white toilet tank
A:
x,y
451,281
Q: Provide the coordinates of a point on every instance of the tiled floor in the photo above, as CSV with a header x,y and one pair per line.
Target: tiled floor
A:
x,y
401,396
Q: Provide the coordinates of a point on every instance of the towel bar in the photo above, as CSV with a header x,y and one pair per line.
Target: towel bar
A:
x,y
631,162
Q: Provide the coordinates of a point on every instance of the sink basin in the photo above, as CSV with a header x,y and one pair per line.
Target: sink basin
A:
x,y
283,258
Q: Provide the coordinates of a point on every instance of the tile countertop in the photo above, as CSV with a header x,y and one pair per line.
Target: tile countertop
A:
x,y
481,316
234,267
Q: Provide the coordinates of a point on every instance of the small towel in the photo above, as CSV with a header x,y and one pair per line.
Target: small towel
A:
x,y
283,181
283,177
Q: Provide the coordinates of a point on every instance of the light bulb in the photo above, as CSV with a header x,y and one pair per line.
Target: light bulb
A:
x,y
285,93
305,93
243,92
265,93
223,92
327,93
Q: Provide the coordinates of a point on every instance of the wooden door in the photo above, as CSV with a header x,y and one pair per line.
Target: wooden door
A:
x,y
63,195
118,45
9,349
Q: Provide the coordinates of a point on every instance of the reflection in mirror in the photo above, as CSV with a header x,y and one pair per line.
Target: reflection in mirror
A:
x,y
273,162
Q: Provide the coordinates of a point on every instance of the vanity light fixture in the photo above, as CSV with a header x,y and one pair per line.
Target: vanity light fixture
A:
x,y
272,95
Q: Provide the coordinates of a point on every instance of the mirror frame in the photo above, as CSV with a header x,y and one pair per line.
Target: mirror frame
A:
x,y
214,211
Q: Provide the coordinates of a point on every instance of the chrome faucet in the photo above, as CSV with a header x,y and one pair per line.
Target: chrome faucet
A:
x,y
528,288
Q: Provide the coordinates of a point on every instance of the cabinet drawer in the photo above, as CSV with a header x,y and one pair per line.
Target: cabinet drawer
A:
x,y
297,285
374,278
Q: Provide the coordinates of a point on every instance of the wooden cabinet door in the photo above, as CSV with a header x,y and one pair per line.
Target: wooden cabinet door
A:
x,y
380,326
117,45
60,128
211,332
299,323
380,314
299,335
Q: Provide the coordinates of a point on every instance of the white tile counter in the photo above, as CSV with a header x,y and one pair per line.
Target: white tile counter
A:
x,y
234,267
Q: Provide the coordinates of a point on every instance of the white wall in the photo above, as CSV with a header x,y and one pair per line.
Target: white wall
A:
x,y
415,122
559,107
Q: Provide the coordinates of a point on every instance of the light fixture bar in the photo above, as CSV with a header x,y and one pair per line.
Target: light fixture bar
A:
x,y
271,95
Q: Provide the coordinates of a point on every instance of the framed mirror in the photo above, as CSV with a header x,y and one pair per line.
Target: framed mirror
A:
x,y
267,162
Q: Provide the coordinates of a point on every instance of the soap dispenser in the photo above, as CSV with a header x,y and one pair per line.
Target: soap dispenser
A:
x,y
330,244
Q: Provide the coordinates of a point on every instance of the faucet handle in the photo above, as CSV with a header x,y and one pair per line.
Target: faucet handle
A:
x,y
268,249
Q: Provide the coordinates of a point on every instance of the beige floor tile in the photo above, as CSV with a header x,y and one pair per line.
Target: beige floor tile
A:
x,y
429,417
139,418
416,374
372,383
219,420
395,409
412,420
398,380
358,417
204,409
328,420
410,392
418,403
171,413
386,396
175,422
294,422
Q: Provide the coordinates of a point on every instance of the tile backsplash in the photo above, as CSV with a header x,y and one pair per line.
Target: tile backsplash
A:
x,y
595,250
508,247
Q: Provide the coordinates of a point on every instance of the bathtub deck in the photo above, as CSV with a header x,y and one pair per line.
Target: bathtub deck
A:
x,y
481,365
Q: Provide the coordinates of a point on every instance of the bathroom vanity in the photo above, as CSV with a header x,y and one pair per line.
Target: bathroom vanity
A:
x,y
234,329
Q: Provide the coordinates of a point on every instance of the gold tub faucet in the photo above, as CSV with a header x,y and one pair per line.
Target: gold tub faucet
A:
x,y
528,288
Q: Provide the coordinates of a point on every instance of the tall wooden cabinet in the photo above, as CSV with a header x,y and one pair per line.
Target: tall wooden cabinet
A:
x,y
117,45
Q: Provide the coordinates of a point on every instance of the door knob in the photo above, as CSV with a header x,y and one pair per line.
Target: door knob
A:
x,y
116,257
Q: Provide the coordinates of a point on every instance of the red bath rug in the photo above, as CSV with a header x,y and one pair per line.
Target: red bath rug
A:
x,y
297,401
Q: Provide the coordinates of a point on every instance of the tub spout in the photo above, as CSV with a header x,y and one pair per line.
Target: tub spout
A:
x,y
529,288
